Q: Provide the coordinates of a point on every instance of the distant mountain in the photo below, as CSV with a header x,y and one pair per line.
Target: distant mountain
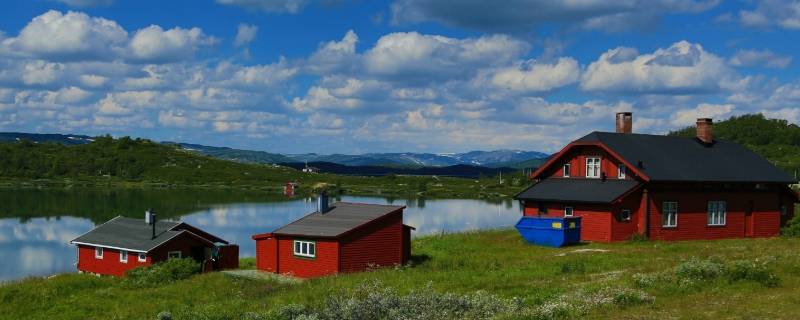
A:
x,y
491,159
459,170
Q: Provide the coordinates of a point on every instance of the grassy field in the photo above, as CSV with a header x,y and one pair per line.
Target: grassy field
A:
x,y
467,276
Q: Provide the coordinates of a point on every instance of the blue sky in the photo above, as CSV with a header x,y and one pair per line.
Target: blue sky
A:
x,y
335,76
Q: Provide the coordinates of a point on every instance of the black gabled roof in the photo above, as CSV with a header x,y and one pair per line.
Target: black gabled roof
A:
x,y
679,159
131,234
578,190
341,218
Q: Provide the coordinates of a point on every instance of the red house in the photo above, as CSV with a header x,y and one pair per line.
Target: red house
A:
x,y
667,188
121,244
346,237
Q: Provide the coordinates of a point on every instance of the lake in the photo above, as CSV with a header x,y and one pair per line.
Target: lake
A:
x,y
37,225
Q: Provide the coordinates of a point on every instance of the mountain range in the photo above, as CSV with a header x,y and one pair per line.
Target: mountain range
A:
x,y
490,159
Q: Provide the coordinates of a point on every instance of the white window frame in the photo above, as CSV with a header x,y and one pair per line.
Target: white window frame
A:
x,y
594,167
171,255
569,212
717,213
669,208
565,170
98,252
123,256
305,248
622,171
141,257
622,215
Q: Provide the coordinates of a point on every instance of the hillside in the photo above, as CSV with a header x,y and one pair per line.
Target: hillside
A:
x,y
776,140
138,162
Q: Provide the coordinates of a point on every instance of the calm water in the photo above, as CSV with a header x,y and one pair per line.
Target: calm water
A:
x,y
36,226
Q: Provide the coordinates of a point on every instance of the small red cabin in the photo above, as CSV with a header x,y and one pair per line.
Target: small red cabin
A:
x,y
345,237
122,244
662,187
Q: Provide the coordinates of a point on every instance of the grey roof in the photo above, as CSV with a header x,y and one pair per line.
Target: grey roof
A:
x,y
341,218
130,234
578,190
679,159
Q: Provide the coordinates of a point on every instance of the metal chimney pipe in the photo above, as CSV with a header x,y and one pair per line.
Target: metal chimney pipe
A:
x,y
153,220
322,203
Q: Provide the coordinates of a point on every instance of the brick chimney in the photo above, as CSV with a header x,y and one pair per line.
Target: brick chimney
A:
x,y
624,122
705,130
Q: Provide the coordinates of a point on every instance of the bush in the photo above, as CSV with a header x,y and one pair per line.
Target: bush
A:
x,y
700,270
752,271
792,228
163,272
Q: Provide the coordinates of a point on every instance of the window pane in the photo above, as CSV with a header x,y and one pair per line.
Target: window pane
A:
x,y
296,247
311,249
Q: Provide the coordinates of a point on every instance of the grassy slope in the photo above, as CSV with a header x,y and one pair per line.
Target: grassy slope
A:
x,y
140,163
495,261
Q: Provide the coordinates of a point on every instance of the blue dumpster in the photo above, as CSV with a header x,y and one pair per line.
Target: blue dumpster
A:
x,y
551,232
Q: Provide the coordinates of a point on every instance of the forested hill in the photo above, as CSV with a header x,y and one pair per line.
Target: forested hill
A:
x,y
776,140
128,160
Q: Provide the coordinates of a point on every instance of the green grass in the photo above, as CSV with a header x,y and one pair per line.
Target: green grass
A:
x,y
497,262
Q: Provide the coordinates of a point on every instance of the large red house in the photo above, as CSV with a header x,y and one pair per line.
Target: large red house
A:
x,y
345,237
122,244
662,187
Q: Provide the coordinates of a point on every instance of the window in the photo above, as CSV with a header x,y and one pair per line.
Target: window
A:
x,y
669,214
98,252
174,255
784,211
142,257
622,171
593,167
568,212
716,213
566,171
625,215
305,248
123,256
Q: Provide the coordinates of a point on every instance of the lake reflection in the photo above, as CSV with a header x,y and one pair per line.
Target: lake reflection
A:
x,y
39,246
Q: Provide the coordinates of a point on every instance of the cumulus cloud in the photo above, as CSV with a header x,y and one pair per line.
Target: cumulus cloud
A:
x,y
532,76
783,14
334,55
687,117
245,34
523,15
154,44
682,68
289,6
765,58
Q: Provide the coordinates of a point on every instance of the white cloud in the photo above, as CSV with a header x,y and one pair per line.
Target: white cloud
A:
x,y
153,44
41,72
87,3
766,58
245,34
290,6
687,117
783,14
334,55
532,76
682,68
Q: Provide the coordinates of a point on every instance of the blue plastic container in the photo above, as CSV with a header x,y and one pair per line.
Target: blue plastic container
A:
x,y
551,232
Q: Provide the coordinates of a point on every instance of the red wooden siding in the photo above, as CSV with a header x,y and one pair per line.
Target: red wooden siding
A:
x,y
110,263
326,261
266,253
378,244
622,230
183,243
693,215
577,160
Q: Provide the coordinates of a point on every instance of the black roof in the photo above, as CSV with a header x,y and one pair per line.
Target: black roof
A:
x,y
578,190
679,159
130,234
338,220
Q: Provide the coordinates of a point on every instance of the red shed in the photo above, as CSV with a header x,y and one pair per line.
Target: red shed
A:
x,y
121,244
345,237
663,187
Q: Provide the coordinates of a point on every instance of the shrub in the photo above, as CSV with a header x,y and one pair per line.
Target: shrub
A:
x,y
163,272
573,266
700,270
752,271
164,315
792,228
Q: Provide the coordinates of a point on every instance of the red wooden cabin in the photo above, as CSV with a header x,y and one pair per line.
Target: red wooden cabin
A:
x,y
122,244
667,188
345,237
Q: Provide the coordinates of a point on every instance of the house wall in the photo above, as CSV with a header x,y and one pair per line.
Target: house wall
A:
x,y
266,254
326,261
109,264
378,244
576,157
183,243
622,230
693,212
